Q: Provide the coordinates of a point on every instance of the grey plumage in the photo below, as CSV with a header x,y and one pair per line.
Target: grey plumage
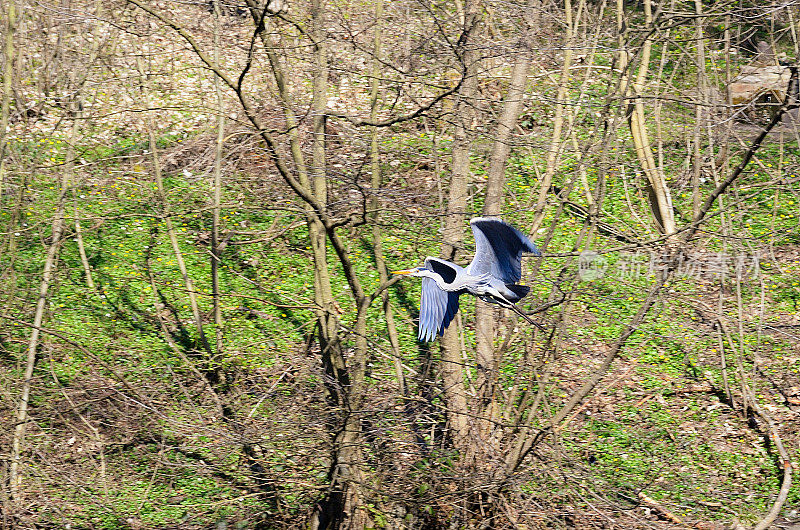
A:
x,y
492,275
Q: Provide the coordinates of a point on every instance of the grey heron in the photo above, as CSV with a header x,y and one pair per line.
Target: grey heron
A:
x,y
492,276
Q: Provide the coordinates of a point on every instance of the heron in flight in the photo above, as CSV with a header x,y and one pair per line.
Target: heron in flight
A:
x,y
492,276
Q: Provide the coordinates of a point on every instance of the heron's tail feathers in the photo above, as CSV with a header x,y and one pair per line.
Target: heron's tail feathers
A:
x,y
520,291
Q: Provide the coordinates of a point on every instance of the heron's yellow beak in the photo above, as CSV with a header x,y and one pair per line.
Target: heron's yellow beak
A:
x,y
409,271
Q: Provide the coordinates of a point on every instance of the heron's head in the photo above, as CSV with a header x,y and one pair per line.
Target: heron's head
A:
x,y
416,271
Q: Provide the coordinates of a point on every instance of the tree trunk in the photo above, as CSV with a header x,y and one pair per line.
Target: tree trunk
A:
x,y
21,416
660,198
216,251
344,503
453,235
376,183
700,100
8,75
556,142
485,314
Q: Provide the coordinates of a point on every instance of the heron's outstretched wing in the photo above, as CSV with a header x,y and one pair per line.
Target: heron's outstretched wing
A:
x,y
437,310
448,270
498,249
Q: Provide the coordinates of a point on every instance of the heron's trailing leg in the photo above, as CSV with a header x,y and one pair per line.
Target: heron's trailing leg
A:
x,y
526,317
510,305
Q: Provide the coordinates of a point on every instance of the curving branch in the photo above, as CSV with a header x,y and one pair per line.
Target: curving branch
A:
x,y
399,119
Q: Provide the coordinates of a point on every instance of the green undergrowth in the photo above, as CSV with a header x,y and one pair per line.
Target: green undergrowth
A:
x,y
658,425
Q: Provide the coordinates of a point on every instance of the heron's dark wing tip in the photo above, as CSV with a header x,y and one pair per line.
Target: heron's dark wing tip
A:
x,y
450,311
531,247
526,243
498,249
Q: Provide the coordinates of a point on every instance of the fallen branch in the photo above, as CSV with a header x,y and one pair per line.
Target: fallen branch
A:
x,y
785,462
663,512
